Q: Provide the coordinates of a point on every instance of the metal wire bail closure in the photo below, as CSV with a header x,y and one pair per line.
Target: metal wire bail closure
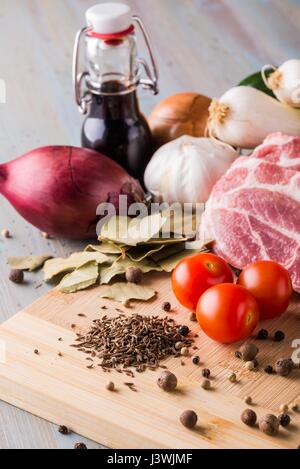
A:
x,y
151,82
78,78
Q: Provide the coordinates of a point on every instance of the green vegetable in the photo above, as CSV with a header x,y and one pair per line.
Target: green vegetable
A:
x,y
256,81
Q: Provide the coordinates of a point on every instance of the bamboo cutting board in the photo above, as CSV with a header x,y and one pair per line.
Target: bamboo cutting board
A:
x,y
61,389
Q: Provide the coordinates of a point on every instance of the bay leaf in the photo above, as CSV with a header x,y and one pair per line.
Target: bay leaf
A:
x,y
82,278
165,241
116,230
58,266
144,229
123,230
106,248
139,253
119,268
169,264
182,222
173,249
30,263
128,291
168,251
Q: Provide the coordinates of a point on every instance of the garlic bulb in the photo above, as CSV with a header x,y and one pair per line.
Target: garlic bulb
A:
x,y
185,170
284,82
244,116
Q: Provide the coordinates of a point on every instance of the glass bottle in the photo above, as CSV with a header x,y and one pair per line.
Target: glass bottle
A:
x,y
106,92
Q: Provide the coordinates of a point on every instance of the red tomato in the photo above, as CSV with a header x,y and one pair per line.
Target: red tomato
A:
x,y
197,273
270,284
227,313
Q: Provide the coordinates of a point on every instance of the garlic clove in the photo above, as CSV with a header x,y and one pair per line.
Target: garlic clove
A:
x,y
185,170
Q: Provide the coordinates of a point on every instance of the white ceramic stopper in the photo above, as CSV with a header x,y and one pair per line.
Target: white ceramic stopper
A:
x,y
109,18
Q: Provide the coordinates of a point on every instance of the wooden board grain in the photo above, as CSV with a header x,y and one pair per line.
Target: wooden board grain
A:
x,y
61,389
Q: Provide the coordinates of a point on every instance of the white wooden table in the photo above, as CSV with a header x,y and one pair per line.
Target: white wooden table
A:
x,y
201,45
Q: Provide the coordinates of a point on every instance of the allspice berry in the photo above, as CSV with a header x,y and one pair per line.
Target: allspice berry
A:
x,y
269,424
249,417
134,275
248,400
206,384
283,366
192,317
206,373
110,386
166,306
16,276
248,351
63,430
167,381
80,446
189,418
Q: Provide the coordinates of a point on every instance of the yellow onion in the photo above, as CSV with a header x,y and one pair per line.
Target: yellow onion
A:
x,y
178,115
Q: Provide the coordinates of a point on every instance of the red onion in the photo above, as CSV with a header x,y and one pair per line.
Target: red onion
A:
x,y
58,189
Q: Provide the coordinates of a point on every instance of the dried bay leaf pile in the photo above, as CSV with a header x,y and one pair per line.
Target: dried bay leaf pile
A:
x,y
124,243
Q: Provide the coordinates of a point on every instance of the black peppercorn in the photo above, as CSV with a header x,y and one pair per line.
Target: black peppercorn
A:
x,y
284,420
16,276
238,354
80,446
184,330
206,373
166,306
262,334
63,430
249,417
255,363
279,336
196,360
269,369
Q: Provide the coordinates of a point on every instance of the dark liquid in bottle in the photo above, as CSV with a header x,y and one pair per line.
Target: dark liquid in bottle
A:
x,y
116,127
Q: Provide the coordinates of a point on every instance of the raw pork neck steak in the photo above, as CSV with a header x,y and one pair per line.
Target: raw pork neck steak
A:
x,y
253,212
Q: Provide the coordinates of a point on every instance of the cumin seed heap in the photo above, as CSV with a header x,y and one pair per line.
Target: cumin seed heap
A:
x,y
135,341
